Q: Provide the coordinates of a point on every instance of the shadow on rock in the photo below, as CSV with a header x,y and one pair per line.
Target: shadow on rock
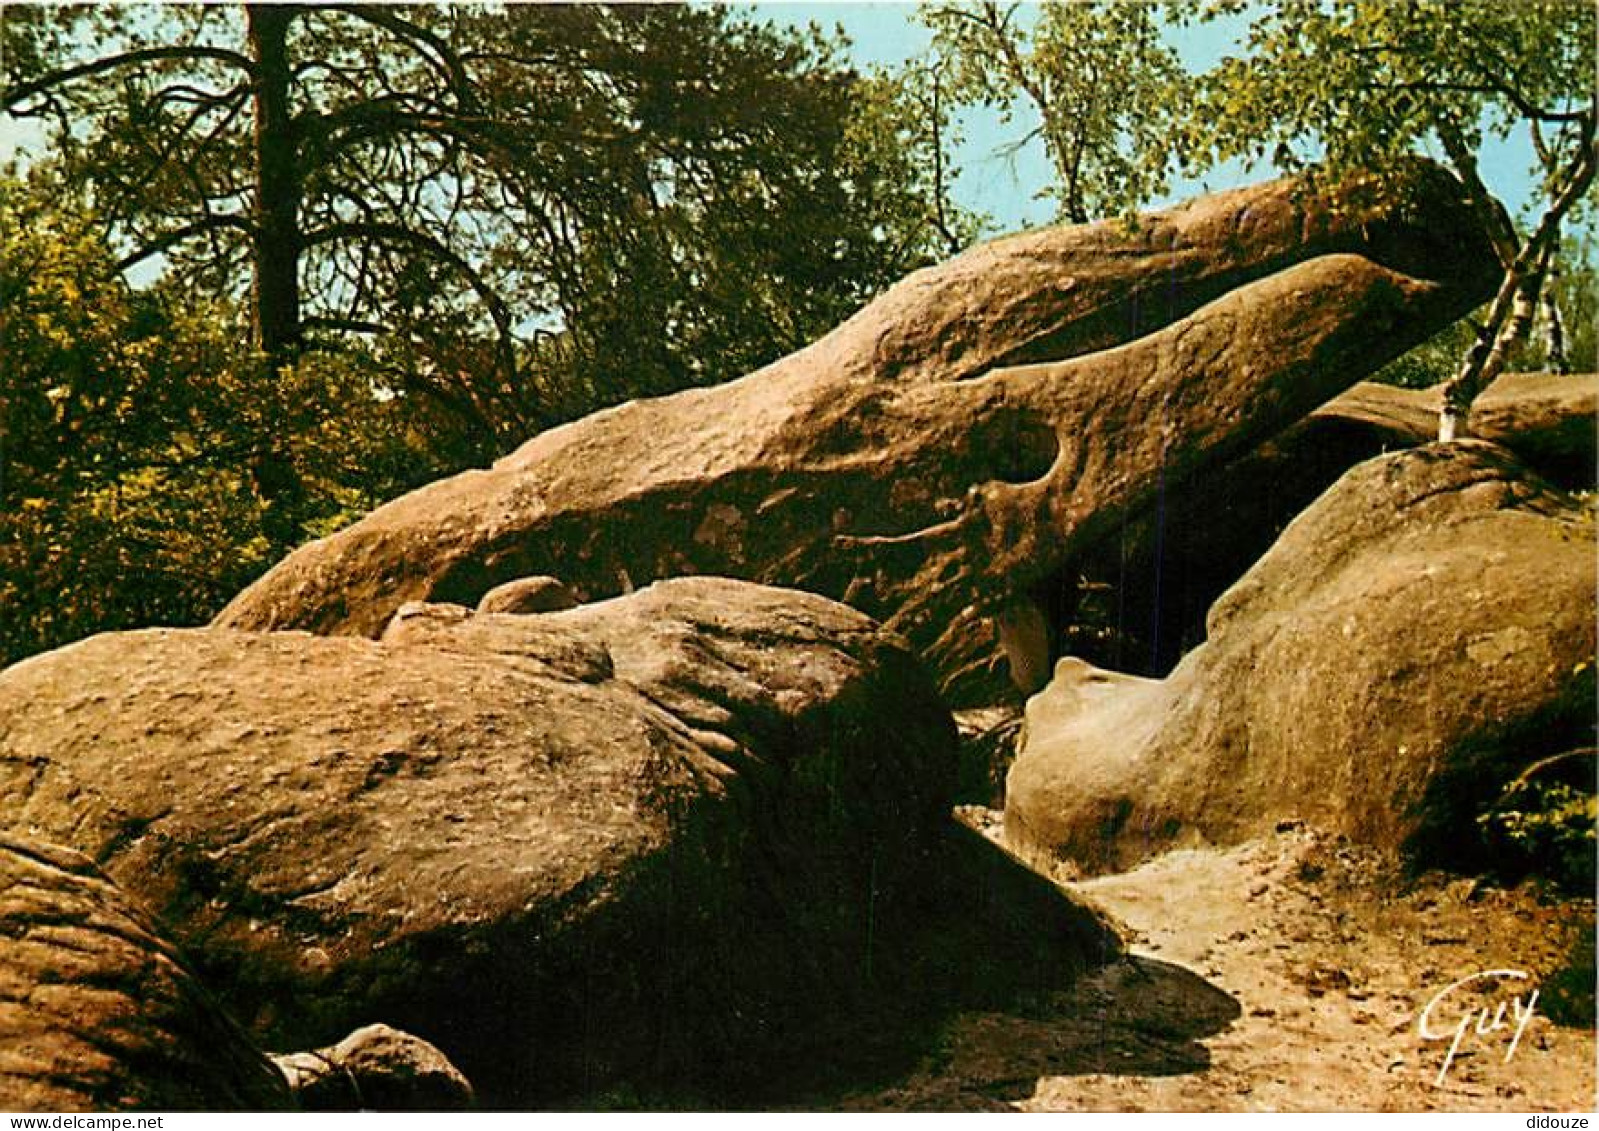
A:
x,y
1141,1017
979,934
1136,1017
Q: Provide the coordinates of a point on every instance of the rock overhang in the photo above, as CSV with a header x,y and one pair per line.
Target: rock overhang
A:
x,y
944,453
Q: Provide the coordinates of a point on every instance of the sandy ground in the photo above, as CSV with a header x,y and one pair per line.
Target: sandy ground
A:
x,y
1288,974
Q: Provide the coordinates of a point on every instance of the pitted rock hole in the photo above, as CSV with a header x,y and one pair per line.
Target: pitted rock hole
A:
x,y
1016,445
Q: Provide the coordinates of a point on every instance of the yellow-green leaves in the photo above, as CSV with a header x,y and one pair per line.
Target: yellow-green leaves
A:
x,y
1103,81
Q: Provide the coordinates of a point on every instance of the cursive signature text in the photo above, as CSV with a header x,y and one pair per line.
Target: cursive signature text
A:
x,y
1488,1019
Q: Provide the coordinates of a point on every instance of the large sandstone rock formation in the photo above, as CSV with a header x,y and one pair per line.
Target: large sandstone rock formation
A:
x,y
1415,638
688,835
98,1012
1137,602
936,457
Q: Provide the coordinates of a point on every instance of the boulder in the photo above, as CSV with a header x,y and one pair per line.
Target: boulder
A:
x,y
1419,635
685,837
528,595
1546,419
1137,602
376,1068
418,618
937,456
98,1012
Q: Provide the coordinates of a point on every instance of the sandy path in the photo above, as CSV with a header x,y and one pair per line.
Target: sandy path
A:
x,y
1286,974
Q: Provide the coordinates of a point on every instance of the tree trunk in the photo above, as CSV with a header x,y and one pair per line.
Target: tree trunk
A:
x,y
1507,328
1516,303
277,188
275,313
1554,328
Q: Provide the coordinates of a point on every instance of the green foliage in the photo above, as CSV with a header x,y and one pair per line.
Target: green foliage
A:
x,y
1566,996
1547,829
1431,363
1365,83
129,426
110,513
898,145
1105,85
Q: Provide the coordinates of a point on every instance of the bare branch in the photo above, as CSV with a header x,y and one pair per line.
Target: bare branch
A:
x,y
210,223
1542,150
934,108
399,233
15,95
438,53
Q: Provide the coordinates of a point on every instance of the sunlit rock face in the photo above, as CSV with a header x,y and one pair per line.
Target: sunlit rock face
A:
x,y
1417,638
696,837
940,456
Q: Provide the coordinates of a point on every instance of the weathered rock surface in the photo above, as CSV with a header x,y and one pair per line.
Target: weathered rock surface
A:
x,y
689,835
528,595
1412,640
376,1068
1546,419
937,456
418,619
1137,602
98,1012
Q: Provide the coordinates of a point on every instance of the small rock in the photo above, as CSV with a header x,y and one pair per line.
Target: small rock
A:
x,y
527,595
413,616
376,1068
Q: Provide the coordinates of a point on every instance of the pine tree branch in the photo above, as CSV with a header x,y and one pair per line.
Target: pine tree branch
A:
x,y
390,232
13,96
438,53
210,223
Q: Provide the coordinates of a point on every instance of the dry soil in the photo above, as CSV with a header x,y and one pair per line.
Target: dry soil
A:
x,y
1286,974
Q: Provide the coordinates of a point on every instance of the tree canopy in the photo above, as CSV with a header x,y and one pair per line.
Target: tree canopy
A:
x,y
127,421
567,198
410,237
1367,84
1104,84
